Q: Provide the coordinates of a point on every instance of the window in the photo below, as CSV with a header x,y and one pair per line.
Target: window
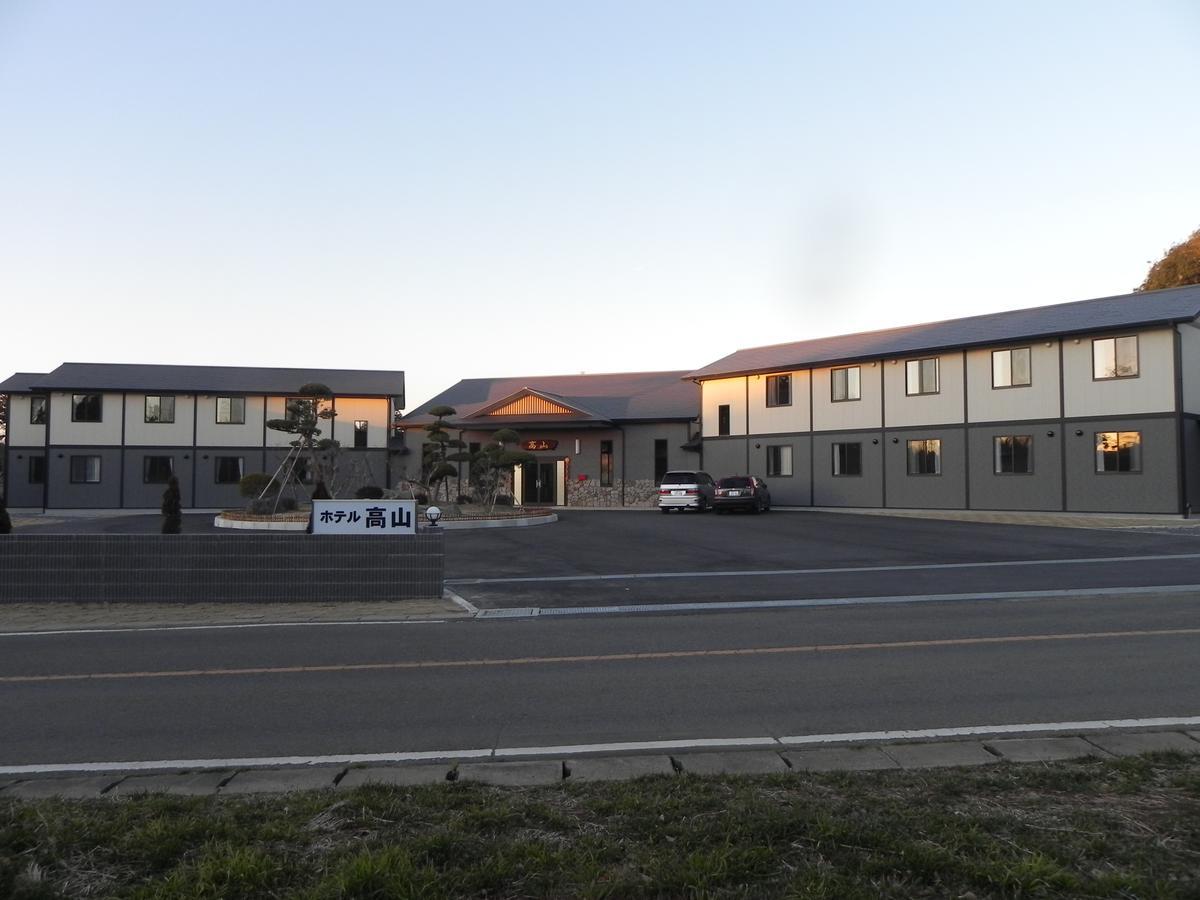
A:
x,y
37,409
846,384
87,407
1118,451
297,408
85,469
360,433
301,473
231,410
1010,368
925,457
723,419
921,376
157,469
37,470
230,469
160,409
606,461
1013,454
847,459
660,460
779,461
779,390
1115,357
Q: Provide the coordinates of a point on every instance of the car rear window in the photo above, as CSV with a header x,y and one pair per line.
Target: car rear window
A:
x,y
742,482
679,478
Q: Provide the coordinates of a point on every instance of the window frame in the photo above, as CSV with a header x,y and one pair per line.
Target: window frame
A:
x,y
937,457
241,466
1137,358
724,420
159,421
365,431
34,460
774,381
85,479
146,479
78,399
1140,444
937,376
779,473
996,460
38,402
231,420
834,459
1010,351
833,397
606,464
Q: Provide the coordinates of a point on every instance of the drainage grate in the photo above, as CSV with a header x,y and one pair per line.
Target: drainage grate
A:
x,y
519,612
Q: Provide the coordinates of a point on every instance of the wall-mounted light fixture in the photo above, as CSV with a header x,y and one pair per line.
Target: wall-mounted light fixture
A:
x,y
1049,434
895,440
1078,432
874,440
758,446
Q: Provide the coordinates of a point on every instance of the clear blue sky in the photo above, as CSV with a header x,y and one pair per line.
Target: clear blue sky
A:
x,y
468,189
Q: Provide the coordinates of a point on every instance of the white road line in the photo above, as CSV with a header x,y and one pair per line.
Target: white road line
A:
x,y
133,629
760,573
851,737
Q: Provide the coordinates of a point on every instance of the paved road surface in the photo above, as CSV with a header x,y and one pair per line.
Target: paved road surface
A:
x,y
571,680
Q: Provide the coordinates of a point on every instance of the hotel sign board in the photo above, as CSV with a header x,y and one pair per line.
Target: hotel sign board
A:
x,y
388,517
540,444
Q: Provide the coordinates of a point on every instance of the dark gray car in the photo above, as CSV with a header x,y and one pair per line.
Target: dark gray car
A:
x,y
742,492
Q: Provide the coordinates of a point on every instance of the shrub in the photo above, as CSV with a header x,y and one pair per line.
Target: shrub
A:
x,y
504,500
253,484
422,498
462,498
369,492
5,521
172,508
287,504
261,506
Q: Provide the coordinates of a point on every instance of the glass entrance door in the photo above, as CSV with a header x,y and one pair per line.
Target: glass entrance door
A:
x,y
538,483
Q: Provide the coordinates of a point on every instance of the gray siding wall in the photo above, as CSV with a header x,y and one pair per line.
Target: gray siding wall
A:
x,y
1040,490
726,456
65,495
209,494
22,494
639,449
138,494
848,490
786,490
1153,490
945,491
1191,443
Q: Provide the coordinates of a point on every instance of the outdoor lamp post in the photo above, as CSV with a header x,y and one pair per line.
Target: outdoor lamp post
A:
x,y
433,514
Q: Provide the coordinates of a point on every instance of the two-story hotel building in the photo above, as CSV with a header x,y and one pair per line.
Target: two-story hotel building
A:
x,y
105,436
1088,406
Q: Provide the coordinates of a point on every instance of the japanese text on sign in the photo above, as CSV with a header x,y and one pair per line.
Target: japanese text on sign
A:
x,y
364,517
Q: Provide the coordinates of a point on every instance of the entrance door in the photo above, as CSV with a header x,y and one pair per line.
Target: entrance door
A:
x,y
538,483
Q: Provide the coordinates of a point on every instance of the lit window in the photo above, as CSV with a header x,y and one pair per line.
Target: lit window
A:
x,y
846,384
1010,368
921,376
360,433
606,463
231,410
925,457
160,409
85,469
1013,454
157,469
1115,357
1118,451
779,461
847,459
779,390
87,407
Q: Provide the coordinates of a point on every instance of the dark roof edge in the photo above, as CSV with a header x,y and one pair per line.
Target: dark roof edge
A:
x,y
833,361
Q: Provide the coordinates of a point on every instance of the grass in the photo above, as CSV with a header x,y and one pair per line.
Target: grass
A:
x,y
1123,828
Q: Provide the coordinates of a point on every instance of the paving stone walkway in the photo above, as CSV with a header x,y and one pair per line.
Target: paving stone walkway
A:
x,y
533,772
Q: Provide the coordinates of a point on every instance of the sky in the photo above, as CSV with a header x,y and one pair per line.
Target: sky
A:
x,y
471,189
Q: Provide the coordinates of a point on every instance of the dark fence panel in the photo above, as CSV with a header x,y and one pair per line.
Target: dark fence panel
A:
x,y
243,566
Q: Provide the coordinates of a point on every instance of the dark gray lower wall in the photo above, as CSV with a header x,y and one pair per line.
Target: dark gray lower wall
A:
x,y
106,494
141,495
725,456
1039,490
1191,456
786,490
848,490
215,568
945,491
1154,489
21,493
209,494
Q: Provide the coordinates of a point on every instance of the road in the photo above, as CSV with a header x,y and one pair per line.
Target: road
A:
x,y
539,682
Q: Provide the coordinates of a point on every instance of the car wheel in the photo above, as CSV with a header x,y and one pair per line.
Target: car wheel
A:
x,y
702,506
664,510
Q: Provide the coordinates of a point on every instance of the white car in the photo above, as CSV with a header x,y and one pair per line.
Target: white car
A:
x,y
686,490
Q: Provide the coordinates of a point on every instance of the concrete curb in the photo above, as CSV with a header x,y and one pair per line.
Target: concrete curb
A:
x,y
555,770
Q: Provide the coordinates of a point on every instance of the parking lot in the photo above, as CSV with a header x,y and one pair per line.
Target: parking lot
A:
x,y
597,558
